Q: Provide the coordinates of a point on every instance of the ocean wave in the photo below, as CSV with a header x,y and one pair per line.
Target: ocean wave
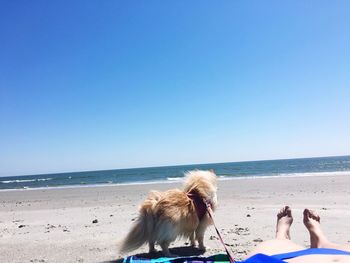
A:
x,y
20,184
45,179
175,178
26,188
25,180
281,175
336,173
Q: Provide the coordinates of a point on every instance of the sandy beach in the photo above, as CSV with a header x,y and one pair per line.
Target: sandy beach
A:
x,y
85,224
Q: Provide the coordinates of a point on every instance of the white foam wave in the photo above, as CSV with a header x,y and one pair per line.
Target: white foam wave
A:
x,y
45,179
91,185
337,173
25,180
282,175
175,178
221,177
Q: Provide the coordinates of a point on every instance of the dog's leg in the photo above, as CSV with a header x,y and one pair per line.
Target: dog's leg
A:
x,y
200,235
165,247
151,247
193,240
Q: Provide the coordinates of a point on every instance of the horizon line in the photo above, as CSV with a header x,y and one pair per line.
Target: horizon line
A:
x,y
175,165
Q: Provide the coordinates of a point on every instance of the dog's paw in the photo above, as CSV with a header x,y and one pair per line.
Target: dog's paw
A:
x,y
203,248
170,255
193,244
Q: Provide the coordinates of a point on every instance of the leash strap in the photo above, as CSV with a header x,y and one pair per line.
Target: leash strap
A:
x,y
210,213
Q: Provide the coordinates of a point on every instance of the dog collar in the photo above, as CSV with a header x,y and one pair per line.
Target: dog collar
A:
x,y
200,206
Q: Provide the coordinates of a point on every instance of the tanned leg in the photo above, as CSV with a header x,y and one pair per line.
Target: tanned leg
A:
x,y
317,238
282,243
284,221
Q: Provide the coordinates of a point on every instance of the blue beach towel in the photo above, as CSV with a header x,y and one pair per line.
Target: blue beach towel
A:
x,y
258,258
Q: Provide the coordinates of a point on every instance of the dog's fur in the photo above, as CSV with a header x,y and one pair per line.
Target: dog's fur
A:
x,y
165,216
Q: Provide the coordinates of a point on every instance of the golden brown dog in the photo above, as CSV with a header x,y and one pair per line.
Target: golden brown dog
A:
x,y
166,216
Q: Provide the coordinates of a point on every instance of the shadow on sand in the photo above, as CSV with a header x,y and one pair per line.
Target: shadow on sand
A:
x,y
180,251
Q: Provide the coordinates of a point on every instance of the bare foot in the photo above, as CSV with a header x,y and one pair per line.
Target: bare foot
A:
x,y
284,221
312,223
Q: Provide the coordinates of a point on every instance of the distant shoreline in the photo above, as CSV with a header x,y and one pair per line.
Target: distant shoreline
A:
x,y
177,165
220,178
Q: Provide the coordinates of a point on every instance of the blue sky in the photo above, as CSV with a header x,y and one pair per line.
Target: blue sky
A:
x,y
88,85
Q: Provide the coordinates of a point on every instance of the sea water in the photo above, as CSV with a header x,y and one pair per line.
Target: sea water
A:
x,y
338,166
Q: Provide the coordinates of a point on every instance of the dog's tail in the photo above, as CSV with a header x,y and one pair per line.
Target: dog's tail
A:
x,y
142,228
136,237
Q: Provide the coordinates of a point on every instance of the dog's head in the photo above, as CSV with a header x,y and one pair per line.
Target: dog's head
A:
x,y
202,183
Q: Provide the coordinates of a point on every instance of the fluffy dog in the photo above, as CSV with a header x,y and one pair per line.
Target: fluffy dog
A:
x,y
165,216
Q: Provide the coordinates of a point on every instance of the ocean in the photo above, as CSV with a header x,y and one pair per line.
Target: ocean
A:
x,y
338,166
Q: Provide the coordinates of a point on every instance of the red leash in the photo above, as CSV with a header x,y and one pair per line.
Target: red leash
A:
x,y
210,213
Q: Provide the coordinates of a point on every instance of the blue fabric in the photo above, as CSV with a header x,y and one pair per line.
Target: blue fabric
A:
x,y
258,258
311,251
261,258
219,258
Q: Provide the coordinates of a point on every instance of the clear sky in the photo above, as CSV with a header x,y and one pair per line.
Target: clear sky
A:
x,y
88,85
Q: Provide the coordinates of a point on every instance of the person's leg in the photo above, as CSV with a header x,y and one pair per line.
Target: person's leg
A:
x,y
284,221
282,242
317,238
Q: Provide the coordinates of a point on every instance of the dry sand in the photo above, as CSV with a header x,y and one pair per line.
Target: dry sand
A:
x,y
56,225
